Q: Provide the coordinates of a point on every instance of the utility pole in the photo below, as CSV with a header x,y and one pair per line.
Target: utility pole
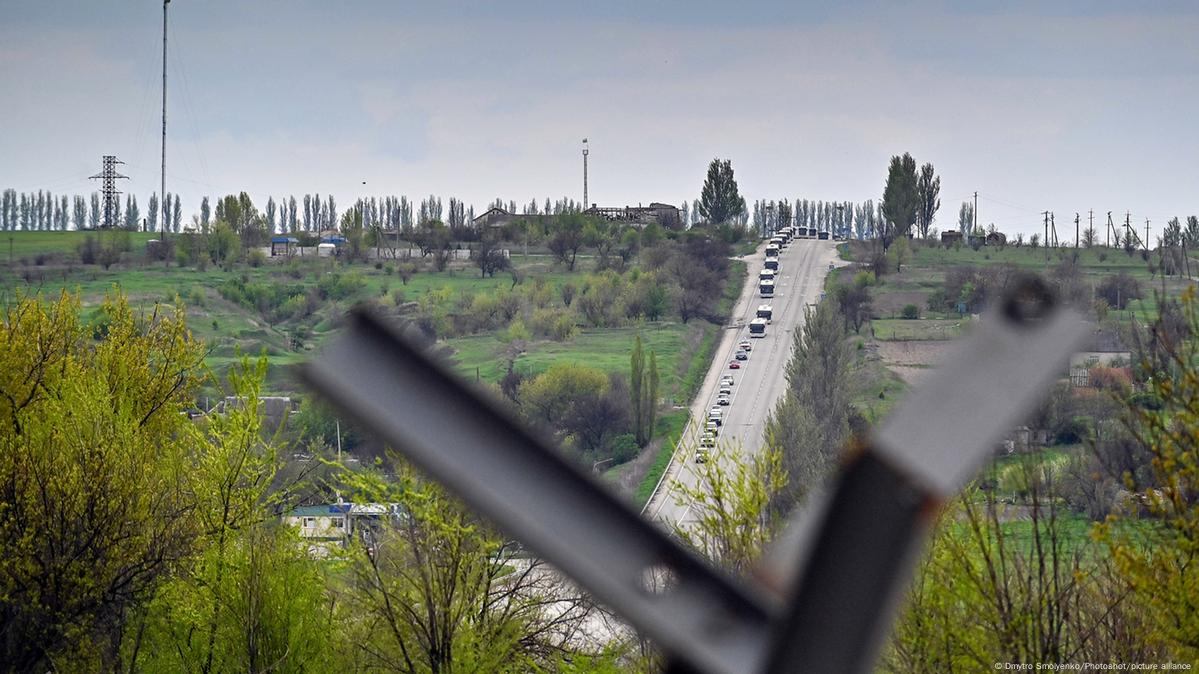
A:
x,y
974,216
1091,224
1128,228
1053,228
1076,231
1146,234
1110,227
163,194
586,204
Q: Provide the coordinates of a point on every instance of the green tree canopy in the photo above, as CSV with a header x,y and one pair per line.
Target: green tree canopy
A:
x,y
720,201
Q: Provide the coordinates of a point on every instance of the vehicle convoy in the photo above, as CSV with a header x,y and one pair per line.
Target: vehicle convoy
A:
x,y
766,288
757,327
765,311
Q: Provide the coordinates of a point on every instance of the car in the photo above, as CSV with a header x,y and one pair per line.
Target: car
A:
x,y
723,401
724,390
726,380
708,439
734,365
712,427
741,355
701,454
746,345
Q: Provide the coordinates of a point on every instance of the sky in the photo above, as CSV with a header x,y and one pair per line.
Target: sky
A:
x,y
1069,106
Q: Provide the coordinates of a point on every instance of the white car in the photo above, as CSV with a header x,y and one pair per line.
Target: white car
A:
x,y
723,401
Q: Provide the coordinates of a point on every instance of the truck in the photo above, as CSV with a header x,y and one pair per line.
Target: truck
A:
x,y
757,327
766,288
765,312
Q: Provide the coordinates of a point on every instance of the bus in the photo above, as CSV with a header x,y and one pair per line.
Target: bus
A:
x,y
772,250
772,263
765,312
766,288
766,274
757,327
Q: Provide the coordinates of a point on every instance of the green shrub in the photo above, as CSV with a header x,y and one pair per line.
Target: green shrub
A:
x,y
623,448
911,311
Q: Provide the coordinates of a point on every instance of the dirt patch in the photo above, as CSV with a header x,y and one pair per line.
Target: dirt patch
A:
x,y
916,353
914,361
890,304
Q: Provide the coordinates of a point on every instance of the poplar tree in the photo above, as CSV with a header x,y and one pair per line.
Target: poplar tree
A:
x,y
152,212
720,201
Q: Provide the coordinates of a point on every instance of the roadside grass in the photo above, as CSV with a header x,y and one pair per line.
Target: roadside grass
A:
x,y
669,430
876,388
671,425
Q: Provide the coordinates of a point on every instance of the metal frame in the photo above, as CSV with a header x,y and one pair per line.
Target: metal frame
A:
x,y
839,581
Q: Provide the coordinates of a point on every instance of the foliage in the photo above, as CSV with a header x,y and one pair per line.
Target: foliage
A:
x,y
1118,290
1163,572
730,505
94,445
900,198
810,424
720,201
579,402
438,591
983,595
928,199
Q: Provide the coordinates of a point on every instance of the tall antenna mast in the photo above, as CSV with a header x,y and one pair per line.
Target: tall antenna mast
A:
x,y
586,204
162,195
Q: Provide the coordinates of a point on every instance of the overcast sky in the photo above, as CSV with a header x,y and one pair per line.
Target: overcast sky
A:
x,y
1063,106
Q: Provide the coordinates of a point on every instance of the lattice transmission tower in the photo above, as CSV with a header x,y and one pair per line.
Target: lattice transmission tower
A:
x,y
108,189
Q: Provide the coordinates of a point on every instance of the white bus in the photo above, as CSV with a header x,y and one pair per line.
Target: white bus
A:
x,y
772,263
772,250
766,275
766,288
765,312
757,327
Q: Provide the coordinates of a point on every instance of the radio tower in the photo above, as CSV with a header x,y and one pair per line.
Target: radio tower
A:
x,y
108,187
163,195
586,204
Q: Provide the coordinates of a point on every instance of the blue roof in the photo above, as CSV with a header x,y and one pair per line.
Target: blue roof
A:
x,y
284,239
333,239
320,510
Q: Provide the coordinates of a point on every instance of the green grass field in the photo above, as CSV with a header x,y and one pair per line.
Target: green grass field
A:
x,y
31,244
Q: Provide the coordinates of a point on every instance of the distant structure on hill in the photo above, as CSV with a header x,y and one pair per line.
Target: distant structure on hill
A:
x,y
665,215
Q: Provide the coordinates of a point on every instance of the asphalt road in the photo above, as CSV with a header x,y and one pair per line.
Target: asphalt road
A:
x,y
762,379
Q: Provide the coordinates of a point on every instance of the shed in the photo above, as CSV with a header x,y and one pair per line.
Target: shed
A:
x,y
283,245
